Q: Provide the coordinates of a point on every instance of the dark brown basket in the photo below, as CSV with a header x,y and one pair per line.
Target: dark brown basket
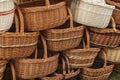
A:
x,y
33,68
18,44
105,37
66,38
40,15
97,73
116,12
81,58
64,72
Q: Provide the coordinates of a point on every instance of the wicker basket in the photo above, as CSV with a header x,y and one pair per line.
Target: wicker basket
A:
x,y
23,1
97,15
64,72
2,68
66,38
97,73
6,15
40,15
116,12
17,44
81,58
34,68
105,37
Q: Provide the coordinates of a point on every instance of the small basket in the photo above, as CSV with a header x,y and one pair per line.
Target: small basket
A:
x,y
81,58
33,68
40,15
97,15
18,44
65,38
116,12
64,72
7,9
105,37
97,73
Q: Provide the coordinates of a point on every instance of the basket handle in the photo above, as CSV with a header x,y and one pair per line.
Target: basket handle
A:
x,y
16,23
113,24
113,3
105,58
13,71
63,66
71,18
47,2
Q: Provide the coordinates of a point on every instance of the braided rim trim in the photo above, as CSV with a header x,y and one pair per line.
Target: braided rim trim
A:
x,y
64,38
12,46
7,12
87,64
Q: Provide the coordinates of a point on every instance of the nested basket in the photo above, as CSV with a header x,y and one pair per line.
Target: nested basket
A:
x,y
27,68
17,44
2,68
60,39
64,72
105,37
81,58
97,15
7,9
44,14
97,73
116,12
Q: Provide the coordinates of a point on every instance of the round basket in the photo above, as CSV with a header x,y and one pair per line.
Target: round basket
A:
x,y
97,73
66,38
18,44
40,15
7,9
105,37
81,58
33,68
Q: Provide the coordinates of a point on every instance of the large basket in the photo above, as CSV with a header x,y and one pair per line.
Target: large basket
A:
x,y
64,71
116,12
97,73
33,68
81,58
97,15
17,44
6,15
40,15
66,38
105,37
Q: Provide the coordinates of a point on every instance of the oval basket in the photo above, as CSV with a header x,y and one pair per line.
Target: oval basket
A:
x,y
60,39
105,37
99,73
27,68
7,9
40,15
81,58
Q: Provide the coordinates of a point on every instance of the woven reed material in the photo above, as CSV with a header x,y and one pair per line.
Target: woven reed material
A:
x,y
81,58
40,15
97,73
17,44
27,68
105,37
63,38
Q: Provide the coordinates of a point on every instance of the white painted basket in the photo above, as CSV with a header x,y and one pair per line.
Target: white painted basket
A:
x,y
6,14
113,55
95,14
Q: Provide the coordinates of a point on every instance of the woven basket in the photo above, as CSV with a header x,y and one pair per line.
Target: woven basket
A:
x,y
97,73
81,58
2,68
34,68
17,44
116,12
64,72
6,15
105,37
97,15
40,15
66,38
23,1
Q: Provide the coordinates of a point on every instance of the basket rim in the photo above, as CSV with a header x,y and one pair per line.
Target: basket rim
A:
x,y
41,8
27,60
